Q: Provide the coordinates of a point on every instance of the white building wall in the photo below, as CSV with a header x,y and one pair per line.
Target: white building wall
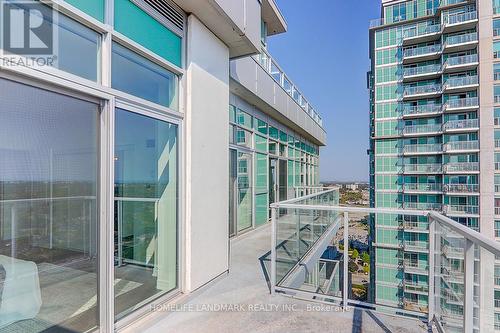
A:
x,y
207,158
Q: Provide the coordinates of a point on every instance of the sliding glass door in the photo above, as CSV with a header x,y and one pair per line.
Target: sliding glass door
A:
x,y
145,210
49,148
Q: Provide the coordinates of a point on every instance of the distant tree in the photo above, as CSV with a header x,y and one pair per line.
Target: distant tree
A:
x,y
366,269
365,257
352,267
355,254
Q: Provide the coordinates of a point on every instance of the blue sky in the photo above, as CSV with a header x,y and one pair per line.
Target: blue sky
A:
x,y
325,53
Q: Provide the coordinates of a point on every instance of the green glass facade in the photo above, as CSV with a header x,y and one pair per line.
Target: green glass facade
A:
x,y
272,164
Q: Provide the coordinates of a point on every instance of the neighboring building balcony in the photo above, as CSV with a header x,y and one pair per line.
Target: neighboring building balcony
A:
x,y
422,188
452,252
452,22
422,110
460,84
421,33
461,42
461,167
423,206
461,104
421,227
415,287
463,125
415,246
497,210
464,62
415,268
461,146
461,210
428,90
461,188
417,130
422,53
422,168
261,82
422,149
422,72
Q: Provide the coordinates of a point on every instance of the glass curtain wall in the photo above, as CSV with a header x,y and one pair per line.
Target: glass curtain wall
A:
x,y
266,164
48,210
145,210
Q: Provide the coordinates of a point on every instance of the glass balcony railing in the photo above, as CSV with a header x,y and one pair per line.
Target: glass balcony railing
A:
x,y
461,167
421,109
461,60
421,51
422,90
421,30
419,129
313,231
423,168
423,148
422,187
461,145
454,82
274,70
423,205
461,188
461,124
421,70
468,102
460,39
461,209
459,18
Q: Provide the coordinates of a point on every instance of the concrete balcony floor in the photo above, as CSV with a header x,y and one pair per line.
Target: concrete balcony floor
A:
x,y
246,285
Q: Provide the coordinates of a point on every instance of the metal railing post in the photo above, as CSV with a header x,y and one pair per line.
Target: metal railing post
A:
x,y
432,253
273,251
345,294
468,286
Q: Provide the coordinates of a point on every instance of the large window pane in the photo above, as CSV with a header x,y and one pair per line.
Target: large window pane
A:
x,y
244,210
76,50
145,210
48,211
138,76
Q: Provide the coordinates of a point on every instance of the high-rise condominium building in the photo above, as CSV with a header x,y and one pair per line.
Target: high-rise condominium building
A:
x,y
434,127
123,123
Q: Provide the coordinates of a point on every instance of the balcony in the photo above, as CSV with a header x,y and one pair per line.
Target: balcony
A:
x,y
422,149
462,42
461,188
463,125
459,21
292,267
421,110
461,167
422,168
461,84
461,210
263,83
428,90
420,227
417,130
415,268
461,146
461,104
422,188
423,206
421,33
422,53
422,72
460,63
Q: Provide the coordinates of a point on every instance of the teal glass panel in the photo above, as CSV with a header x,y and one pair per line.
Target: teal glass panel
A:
x,y
94,8
260,143
145,209
138,76
260,126
273,132
244,208
261,189
243,118
137,25
232,113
